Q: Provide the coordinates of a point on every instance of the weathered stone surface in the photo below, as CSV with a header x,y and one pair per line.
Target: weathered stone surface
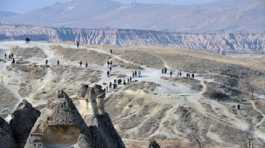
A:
x,y
23,119
6,136
64,112
216,42
91,138
95,95
8,101
61,124
108,131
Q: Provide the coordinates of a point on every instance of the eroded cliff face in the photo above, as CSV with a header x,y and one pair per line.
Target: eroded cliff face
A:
x,y
216,42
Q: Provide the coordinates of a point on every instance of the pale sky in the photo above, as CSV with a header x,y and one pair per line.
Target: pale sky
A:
x,y
27,5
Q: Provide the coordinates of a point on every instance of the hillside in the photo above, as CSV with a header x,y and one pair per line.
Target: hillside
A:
x,y
214,108
227,15
214,42
6,14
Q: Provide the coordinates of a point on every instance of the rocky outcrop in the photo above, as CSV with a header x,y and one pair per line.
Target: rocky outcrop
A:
x,y
96,96
154,144
6,136
60,124
215,42
108,131
91,138
8,101
23,119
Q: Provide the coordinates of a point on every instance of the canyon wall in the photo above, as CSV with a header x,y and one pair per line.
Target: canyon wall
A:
x,y
216,42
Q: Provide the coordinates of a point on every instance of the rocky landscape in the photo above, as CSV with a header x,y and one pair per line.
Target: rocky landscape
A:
x,y
130,74
222,43
60,125
220,106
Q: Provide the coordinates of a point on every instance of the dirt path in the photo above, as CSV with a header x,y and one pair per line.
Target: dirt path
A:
x,y
259,111
204,87
149,75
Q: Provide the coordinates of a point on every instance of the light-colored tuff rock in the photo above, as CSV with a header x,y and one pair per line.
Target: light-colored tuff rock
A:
x,y
91,138
6,136
23,119
96,95
8,101
60,124
216,42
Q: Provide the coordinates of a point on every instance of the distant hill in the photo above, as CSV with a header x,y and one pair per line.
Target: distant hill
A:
x,y
219,16
5,14
215,42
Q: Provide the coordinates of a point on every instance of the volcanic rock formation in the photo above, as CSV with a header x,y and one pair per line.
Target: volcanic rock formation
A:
x,y
23,119
96,96
6,136
60,124
216,42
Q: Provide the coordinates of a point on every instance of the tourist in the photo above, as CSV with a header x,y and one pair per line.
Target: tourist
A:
x,y
139,73
77,44
171,74
115,86
108,74
119,81
86,64
13,61
46,62
124,82
110,85
188,75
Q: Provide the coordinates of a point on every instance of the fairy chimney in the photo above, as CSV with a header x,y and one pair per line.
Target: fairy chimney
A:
x,y
95,95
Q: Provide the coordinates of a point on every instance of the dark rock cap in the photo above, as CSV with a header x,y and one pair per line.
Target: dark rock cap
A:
x,y
6,137
23,119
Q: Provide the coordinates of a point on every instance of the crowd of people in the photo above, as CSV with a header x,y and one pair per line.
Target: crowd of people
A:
x,y
109,64
165,70
113,84
10,57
